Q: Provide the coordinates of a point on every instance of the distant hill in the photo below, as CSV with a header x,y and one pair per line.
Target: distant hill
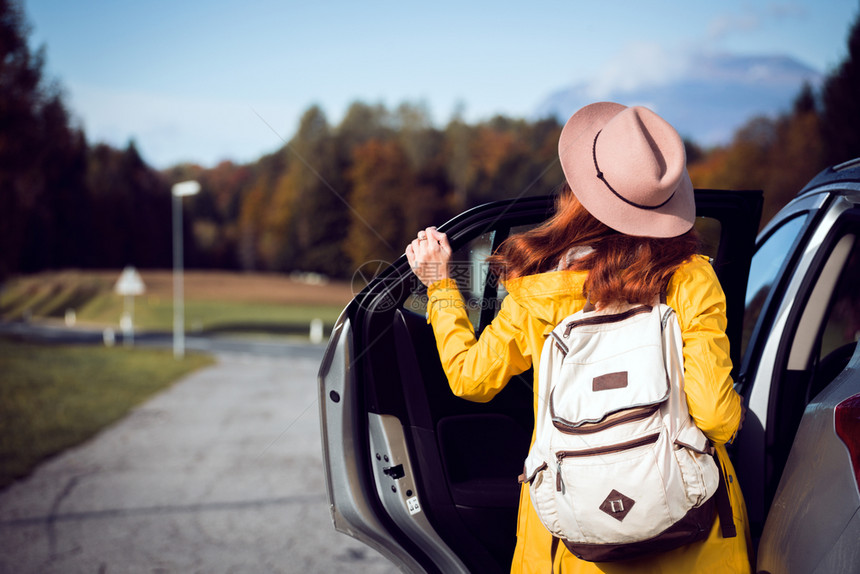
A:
x,y
714,96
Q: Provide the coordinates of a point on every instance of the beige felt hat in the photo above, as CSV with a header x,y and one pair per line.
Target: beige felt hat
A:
x,y
628,168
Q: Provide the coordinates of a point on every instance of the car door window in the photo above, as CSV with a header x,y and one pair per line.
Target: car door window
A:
x,y
764,269
841,329
808,339
469,268
843,321
709,230
501,292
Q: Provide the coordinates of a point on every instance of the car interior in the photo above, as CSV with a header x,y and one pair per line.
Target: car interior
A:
x,y
477,448
468,454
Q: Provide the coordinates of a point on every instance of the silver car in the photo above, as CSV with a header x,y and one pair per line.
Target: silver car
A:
x,y
798,456
429,480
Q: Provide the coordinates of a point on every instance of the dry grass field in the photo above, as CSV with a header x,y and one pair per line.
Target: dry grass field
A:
x,y
212,285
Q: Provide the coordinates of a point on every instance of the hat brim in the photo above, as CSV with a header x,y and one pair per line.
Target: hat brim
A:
x,y
674,218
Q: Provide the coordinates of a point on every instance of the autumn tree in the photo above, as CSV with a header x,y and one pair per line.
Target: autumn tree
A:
x,y
253,231
251,216
797,155
214,212
381,183
426,200
362,122
307,216
777,155
414,130
458,161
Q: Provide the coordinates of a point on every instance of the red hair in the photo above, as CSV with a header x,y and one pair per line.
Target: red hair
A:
x,y
620,267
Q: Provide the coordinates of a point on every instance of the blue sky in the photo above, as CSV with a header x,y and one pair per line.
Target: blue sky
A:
x,y
191,80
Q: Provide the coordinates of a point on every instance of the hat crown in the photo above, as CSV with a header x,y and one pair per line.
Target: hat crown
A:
x,y
627,167
641,157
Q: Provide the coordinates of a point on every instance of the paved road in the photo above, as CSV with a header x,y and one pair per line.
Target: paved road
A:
x,y
57,333
220,473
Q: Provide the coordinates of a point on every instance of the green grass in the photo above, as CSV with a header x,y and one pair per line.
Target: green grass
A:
x,y
55,397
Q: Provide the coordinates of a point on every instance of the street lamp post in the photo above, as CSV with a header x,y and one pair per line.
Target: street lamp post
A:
x,y
178,191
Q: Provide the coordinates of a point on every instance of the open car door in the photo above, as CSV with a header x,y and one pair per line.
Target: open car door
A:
x,y
424,477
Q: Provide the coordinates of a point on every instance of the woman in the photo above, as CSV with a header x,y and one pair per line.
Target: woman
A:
x,y
622,231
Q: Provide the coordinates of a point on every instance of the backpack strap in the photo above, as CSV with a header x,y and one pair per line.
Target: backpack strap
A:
x,y
724,505
552,554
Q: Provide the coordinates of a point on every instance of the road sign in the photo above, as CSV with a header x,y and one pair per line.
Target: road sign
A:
x,y
129,283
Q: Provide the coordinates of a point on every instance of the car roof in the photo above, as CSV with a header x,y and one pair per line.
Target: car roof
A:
x,y
846,173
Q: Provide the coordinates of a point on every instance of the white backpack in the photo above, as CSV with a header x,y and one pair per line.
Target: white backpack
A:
x,y
618,468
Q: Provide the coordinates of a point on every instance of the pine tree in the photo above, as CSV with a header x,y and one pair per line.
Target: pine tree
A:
x,y
43,203
840,122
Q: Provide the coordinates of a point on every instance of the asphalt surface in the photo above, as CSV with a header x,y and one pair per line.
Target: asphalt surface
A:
x,y
57,333
220,473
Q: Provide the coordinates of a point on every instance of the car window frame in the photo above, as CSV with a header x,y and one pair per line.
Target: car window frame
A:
x,y
847,222
814,207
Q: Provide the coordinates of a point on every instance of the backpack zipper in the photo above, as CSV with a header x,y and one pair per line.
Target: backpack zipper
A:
x,y
562,454
606,318
610,421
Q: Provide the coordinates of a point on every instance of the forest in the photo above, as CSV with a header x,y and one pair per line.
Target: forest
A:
x,y
333,196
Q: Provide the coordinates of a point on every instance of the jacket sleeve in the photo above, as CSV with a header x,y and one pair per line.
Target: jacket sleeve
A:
x,y
695,293
477,369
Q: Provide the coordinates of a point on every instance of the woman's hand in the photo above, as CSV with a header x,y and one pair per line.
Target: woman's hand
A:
x,y
429,255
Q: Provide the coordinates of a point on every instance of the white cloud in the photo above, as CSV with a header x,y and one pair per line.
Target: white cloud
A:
x,y
780,10
723,26
636,66
752,19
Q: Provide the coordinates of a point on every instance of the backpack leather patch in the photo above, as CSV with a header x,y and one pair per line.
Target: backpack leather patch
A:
x,y
609,381
617,505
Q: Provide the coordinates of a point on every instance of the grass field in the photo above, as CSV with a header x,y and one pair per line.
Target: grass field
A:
x,y
213,300
54,397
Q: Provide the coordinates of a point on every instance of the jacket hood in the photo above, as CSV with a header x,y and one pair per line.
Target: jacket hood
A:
x,y
548,297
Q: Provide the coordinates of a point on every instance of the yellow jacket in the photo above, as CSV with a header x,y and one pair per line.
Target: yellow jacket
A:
x,y
478,370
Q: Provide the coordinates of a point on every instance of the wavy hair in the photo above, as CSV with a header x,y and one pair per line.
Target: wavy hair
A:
x,y
620,267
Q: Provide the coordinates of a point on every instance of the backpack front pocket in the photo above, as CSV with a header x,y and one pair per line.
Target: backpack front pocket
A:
x,y
614,494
